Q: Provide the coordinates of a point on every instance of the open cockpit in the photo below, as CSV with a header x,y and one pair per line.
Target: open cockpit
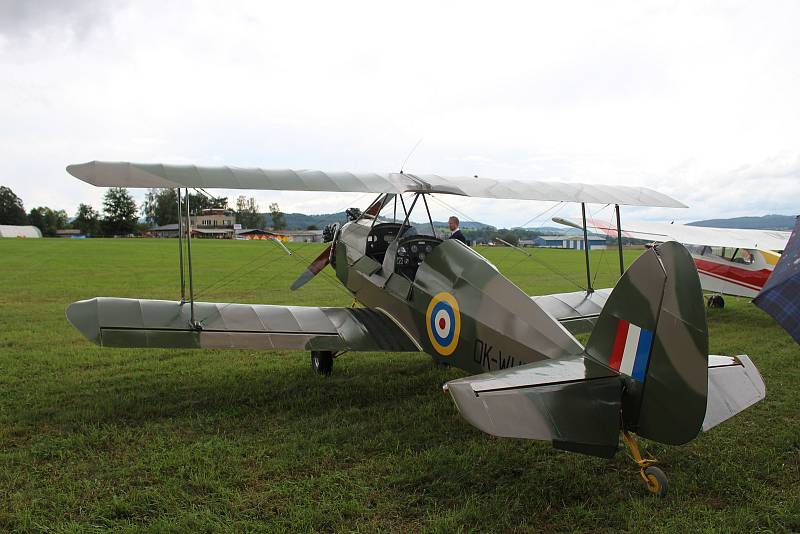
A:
x,y
399,247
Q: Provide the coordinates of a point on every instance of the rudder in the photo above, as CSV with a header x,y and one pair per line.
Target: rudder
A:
x,y
653,331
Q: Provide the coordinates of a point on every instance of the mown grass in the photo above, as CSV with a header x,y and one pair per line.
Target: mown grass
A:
x,y
176,440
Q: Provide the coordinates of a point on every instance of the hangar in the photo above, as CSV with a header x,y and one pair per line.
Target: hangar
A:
x,y
7,230
566,241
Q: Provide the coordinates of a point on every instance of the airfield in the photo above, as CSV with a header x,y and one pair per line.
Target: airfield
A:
x,y
95,438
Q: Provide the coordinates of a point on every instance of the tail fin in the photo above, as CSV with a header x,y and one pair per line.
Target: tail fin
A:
x,y
653,331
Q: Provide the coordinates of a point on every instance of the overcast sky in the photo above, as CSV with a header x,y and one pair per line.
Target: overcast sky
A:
x,y
697,100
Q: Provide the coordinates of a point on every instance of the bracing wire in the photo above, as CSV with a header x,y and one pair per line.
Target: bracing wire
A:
x,y
228,278
558,273
403,166
599,262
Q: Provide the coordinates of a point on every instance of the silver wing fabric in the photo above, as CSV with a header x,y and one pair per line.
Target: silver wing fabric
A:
x,y
124,174
689,235
120,322
577,311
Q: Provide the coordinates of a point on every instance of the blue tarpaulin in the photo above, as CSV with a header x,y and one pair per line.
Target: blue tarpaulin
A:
x,y
780,296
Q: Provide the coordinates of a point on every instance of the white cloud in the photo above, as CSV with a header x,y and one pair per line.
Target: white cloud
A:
x,y
695,100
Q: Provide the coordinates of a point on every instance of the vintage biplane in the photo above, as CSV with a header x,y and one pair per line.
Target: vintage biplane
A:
x,y
645,369
730,261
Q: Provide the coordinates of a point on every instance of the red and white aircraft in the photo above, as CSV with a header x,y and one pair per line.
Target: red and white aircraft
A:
x,y
730,261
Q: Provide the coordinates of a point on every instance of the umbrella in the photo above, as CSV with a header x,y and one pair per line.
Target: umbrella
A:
x,y
780,296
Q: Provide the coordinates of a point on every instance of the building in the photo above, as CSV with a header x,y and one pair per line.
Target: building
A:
x,y
255,234
19,231
165,230
568,241
70,232
221,224
213,223
215,218
300,236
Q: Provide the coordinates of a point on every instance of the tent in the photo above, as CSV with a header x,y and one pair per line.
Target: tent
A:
x,y
19,231
780,296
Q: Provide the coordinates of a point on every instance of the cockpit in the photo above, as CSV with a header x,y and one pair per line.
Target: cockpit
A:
x,y
735,255
400,247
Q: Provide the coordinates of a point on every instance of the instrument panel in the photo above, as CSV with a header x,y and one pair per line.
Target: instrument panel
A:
x,y
412,252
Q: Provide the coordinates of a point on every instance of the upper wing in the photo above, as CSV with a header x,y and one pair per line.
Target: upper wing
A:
x,y
689,235
123,174
119,322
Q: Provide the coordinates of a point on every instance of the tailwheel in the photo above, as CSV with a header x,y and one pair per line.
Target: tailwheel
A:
x,y
653,477
656,480
322,362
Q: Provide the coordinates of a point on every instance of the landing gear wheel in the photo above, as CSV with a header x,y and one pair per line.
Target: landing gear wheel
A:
x,y
716,301
322,362
656,480
653,477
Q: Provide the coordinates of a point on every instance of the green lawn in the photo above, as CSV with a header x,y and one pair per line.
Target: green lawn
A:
x,y
169,440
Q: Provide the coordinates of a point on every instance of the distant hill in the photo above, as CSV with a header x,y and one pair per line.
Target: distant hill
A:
x,y
556,230
301,221
765,222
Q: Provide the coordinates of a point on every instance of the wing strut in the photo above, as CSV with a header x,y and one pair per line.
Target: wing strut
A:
x,y
180,247
619,241
589,288
192,321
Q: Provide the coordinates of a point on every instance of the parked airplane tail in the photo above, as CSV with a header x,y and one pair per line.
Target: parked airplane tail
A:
x,y
652,330
645,369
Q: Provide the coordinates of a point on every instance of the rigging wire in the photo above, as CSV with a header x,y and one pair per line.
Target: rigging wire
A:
x,y
403,166
602,251
559,205
230,278
227,278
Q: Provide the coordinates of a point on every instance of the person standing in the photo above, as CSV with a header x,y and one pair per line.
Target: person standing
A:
x,y
453,223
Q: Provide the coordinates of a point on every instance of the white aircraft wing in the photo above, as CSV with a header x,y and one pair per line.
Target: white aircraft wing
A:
x,y
688,235
123,174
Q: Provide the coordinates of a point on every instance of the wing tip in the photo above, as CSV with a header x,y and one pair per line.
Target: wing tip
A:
x,y
82,171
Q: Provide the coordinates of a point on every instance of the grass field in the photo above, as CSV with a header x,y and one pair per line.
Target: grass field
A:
x,y
177,440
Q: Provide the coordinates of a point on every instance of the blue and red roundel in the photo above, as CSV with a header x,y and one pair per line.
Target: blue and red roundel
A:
x,y
443,322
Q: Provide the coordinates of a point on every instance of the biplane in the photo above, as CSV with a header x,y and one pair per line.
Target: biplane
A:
x,y
645,370
730,261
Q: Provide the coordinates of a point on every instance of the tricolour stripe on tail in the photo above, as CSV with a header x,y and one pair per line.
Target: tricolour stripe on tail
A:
x,y
631,350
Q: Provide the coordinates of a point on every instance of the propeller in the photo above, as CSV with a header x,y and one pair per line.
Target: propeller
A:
x,y
313,268
330,233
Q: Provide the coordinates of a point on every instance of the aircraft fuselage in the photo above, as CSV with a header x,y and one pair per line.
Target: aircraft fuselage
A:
x,y
448,298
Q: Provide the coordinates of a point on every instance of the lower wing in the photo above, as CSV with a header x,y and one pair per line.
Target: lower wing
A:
x,y
577,311
120,322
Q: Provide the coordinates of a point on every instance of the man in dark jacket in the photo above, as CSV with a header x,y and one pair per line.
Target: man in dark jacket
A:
x,y
453,222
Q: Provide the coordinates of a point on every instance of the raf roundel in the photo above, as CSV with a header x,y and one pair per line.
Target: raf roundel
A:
x,y
443,322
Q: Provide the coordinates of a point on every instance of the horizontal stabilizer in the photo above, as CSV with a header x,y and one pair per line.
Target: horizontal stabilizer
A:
x,y
734,384
572,402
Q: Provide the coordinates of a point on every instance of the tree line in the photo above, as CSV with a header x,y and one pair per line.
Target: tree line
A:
x,y
121,216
